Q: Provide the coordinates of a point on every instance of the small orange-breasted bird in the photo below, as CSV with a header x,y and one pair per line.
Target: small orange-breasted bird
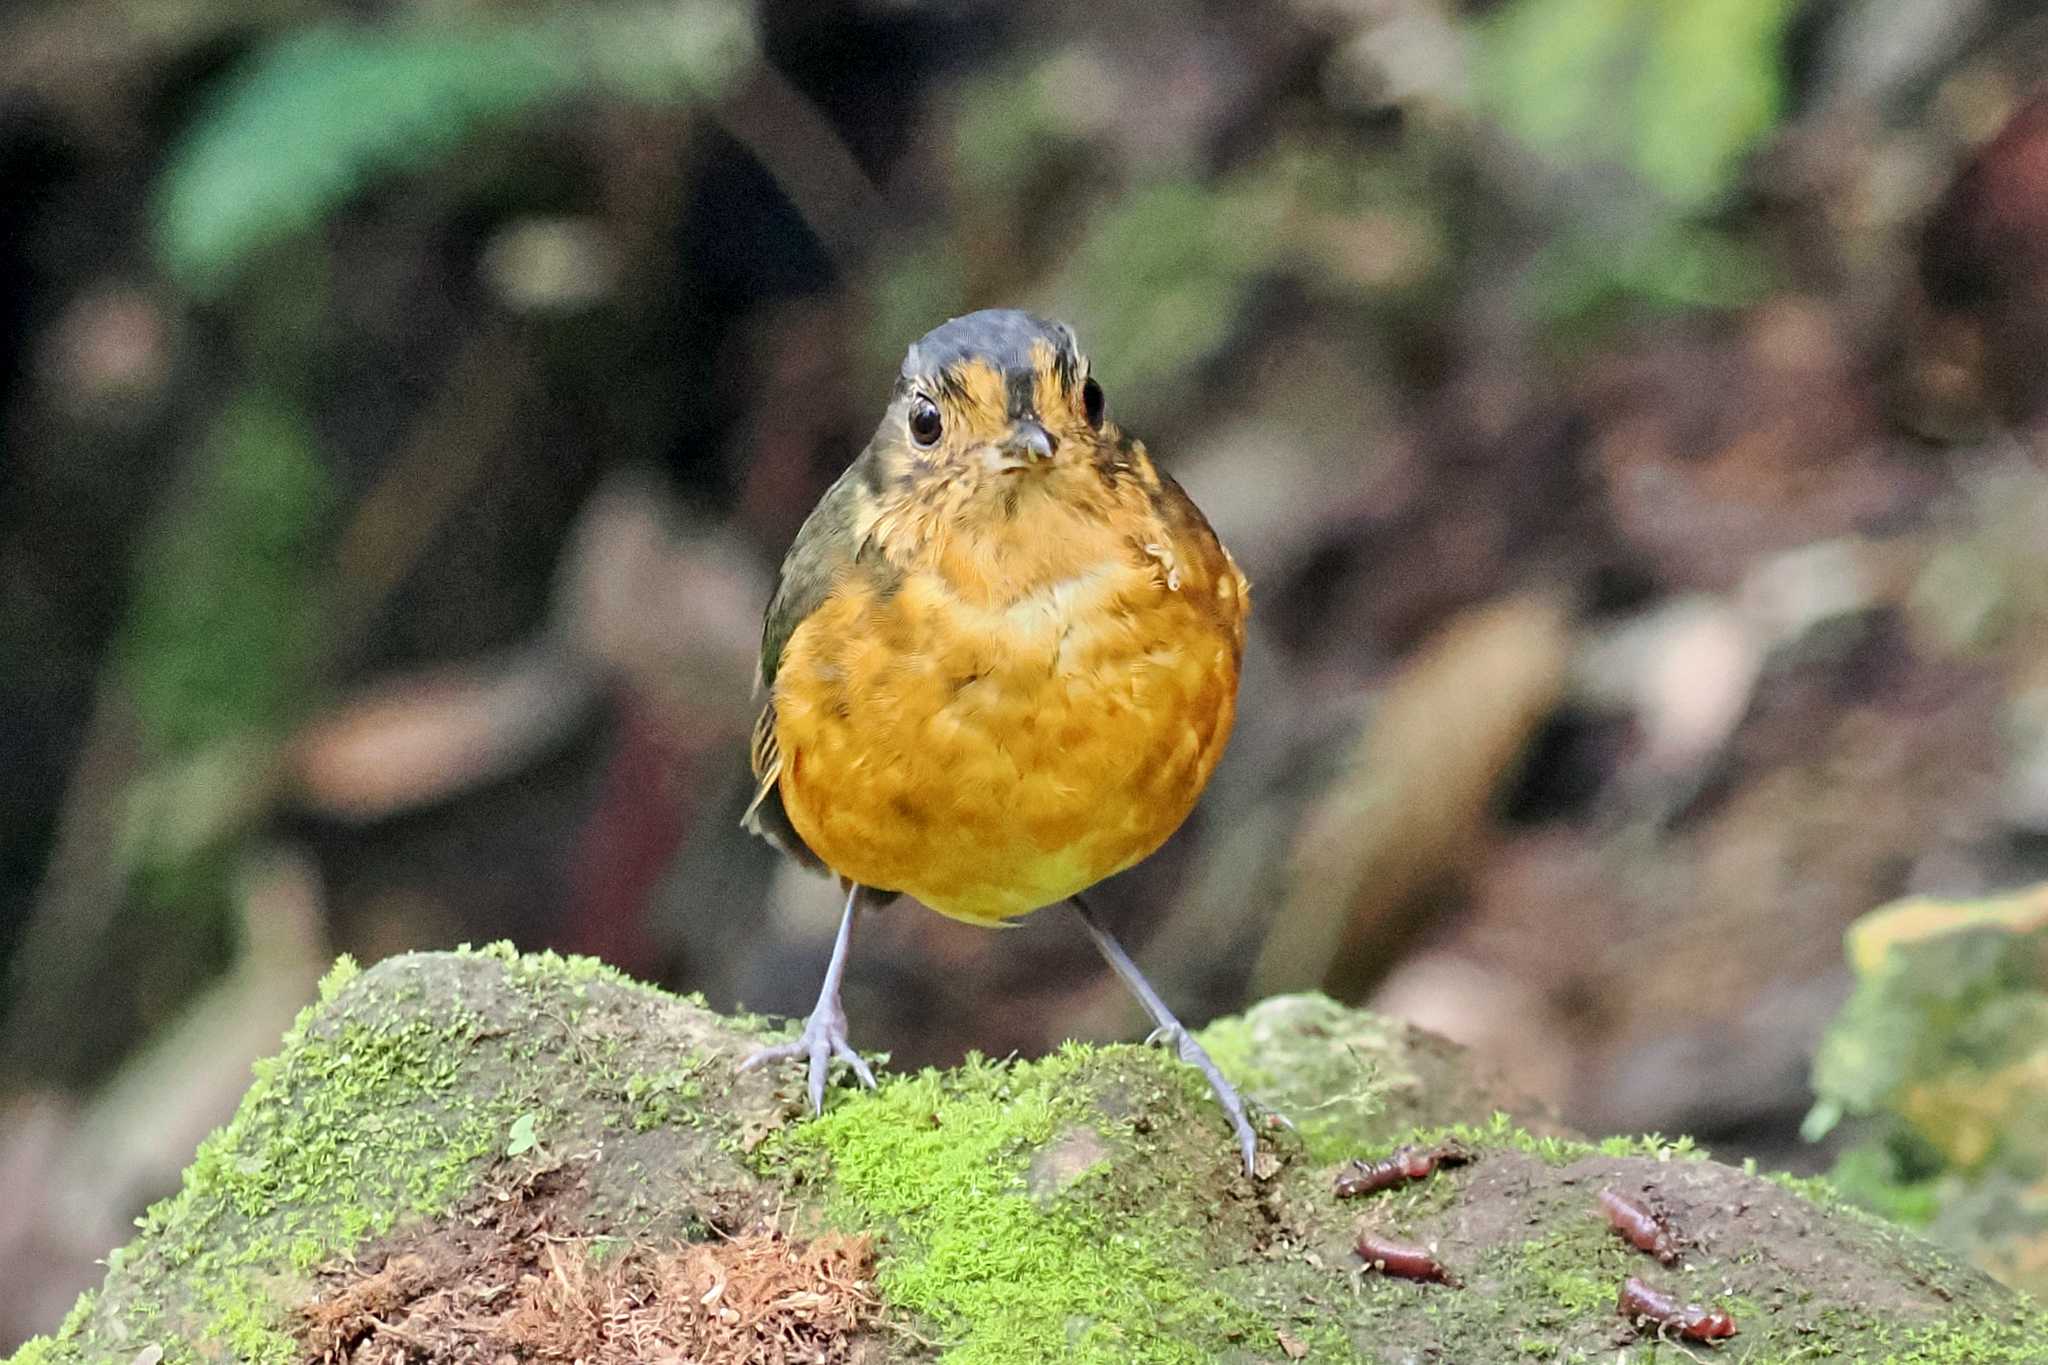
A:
x,y
1001,661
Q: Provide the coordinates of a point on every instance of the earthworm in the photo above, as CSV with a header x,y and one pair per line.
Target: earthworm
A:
x,y
1643,1229
1689,1322
1402,1259
1407,1163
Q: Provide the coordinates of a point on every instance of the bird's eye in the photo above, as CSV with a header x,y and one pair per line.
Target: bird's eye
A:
x,y
924,421
1091,403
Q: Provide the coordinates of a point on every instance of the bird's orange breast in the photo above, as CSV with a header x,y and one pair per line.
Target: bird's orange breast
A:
x,y
994,750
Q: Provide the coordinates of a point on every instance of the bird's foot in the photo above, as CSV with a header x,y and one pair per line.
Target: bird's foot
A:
x,y
823,1041
1252,1103
1195,1055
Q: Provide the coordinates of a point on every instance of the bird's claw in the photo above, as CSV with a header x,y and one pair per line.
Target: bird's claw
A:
x,y
1252,1103
1269,1113
1195,1055
823,1041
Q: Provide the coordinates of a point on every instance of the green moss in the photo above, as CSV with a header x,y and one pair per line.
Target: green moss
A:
x,y
1811,1187
654,1097
362,1119
1085,1207
61,1345
338,1134
246,1320
1350,1081
1825,1192
550,970
1574,1291
602,1250
1347,1086
940,1161
1572,1274
1500,1131
344,970
1653,1145
2017,1342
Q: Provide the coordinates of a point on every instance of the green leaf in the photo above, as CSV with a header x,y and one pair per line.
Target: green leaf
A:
x,y
521,1139
319,113
1675,91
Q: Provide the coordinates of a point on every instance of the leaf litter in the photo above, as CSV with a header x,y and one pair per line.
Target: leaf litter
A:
x,y
512,1284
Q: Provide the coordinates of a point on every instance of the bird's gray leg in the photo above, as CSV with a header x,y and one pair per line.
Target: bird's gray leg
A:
x,y
824,1035
1170,1030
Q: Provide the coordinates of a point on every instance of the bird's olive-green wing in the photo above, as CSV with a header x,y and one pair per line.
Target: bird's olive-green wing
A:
x,y
823,552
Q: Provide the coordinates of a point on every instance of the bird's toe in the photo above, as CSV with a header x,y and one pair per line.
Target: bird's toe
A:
x,y
776,1052
821,1071
858,1063
822,1042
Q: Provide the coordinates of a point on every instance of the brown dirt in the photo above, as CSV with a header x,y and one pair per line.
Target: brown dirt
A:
x,y
514,1280
1538,1260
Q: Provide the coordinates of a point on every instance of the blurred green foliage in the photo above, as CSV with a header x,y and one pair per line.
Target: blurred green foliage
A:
x,y
1676,91
1631,123
1154,261
1007,123
225,604
1944,1047
1674,265
1157,281
318,113
1648,111
1890,1179
219,647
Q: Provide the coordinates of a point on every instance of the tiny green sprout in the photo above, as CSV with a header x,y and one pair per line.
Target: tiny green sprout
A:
x,y
521,1139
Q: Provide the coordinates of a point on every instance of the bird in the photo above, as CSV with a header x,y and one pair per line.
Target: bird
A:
x,y
999,666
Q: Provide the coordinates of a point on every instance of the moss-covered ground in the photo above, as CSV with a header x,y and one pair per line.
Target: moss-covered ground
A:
x,y
1084,1207
393,1102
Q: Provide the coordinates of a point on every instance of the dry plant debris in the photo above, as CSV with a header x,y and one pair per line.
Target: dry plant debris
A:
x,y
535,1295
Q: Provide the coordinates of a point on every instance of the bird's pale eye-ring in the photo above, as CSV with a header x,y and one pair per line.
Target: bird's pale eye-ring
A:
x,y
1091,402
925,423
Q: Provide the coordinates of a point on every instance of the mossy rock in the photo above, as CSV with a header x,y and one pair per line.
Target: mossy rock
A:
x,y
1942,1053
1087,1207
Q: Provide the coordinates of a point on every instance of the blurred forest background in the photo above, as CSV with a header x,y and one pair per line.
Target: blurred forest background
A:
x,y
1633,417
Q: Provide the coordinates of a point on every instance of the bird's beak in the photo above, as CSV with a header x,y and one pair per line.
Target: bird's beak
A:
x,y
1029,441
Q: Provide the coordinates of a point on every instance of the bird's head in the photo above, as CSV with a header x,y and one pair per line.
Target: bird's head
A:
x,y
994,400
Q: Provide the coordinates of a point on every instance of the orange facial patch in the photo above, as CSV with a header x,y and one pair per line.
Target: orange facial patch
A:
x,y
975,401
